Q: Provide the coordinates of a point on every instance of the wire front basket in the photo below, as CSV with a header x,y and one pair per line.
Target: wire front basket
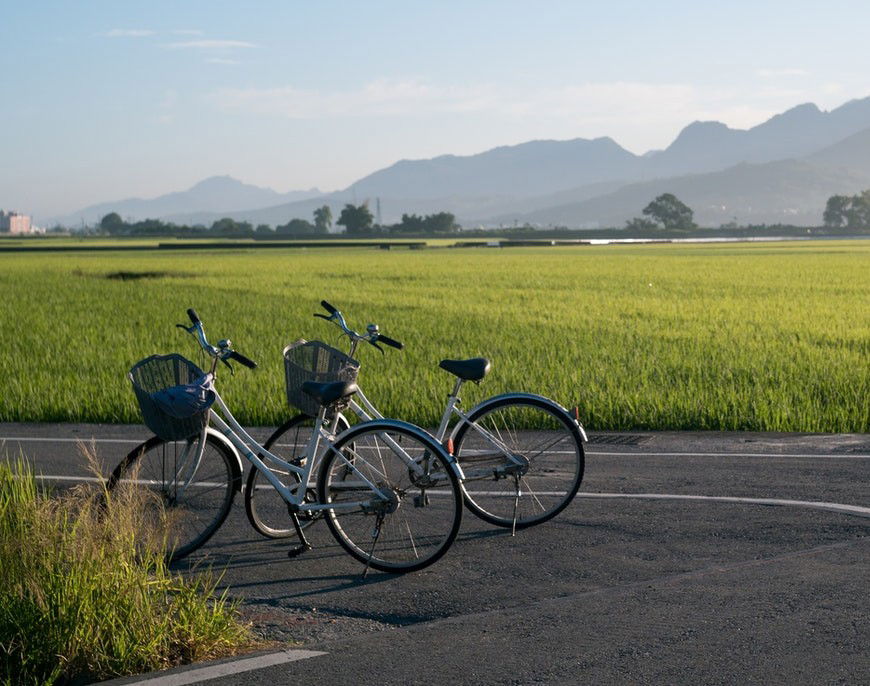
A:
x,y
159,373
314,361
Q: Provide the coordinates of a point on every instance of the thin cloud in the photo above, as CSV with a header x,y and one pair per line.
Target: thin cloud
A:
x,y
633,113
780,72
128,33
207,44
186,32
221,60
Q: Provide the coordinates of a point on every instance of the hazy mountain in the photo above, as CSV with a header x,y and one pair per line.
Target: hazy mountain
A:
x,y
708,146
575,182
542,167
527,169
219,194
786,191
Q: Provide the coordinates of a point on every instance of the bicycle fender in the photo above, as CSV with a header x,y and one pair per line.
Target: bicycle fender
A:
x,y
237,463
528,396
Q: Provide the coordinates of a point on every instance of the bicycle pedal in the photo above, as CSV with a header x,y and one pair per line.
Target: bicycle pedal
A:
x,y
421,500
298,550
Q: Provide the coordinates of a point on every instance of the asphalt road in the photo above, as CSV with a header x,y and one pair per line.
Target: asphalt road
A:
x,y
666,569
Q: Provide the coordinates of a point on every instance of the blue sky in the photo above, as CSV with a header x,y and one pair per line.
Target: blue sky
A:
x,y
106,100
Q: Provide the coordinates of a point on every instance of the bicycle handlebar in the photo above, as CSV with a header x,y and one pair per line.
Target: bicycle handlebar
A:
x,y
389,341
223,351
372,335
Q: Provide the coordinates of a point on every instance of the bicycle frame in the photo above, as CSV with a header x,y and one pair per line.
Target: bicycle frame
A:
x,y
295,495
363,408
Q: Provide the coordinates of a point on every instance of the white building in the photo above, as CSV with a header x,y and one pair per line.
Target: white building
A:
x,y
12,222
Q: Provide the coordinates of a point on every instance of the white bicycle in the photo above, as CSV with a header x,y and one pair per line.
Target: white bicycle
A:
x,y
388,491
521,455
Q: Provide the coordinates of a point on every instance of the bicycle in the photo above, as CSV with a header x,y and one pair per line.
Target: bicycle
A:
x,y
374,484
521,455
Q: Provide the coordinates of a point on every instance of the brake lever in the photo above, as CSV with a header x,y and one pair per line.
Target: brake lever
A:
x,y
189,329
374,343
322,316
229,366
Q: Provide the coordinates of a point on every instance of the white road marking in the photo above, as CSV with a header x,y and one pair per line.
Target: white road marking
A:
x,y
806,456
842,508
814,504
197,674
53,439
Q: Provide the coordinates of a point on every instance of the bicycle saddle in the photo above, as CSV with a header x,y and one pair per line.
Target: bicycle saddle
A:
x,y
328,393
469,370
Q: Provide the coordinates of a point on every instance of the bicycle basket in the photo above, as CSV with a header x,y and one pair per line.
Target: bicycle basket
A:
x,y
314,361
173,396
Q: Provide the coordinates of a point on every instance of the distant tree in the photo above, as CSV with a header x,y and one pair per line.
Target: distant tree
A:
x,y
859,211
323,219
263,230
227,226
836,211
297,227
112,223
356,219
641,225
849,211
411,223
668,210
442,222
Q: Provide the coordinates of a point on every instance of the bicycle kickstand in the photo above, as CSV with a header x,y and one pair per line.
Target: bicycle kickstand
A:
x,y
376,534
516,504
303,542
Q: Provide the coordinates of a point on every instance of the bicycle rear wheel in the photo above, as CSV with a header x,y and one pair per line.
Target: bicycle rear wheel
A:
x,y
266,508
182,504
544,440
419,517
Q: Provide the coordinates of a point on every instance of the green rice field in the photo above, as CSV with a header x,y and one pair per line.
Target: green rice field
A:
x,y
751,336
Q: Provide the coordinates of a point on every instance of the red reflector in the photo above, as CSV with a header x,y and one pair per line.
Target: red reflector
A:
x,y
577,413
449,446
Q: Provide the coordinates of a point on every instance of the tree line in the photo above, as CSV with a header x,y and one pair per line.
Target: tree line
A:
x,y
357,220
665,212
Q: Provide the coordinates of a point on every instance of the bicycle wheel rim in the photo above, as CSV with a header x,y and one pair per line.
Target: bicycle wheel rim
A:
x,y
536,431
425,512
180,508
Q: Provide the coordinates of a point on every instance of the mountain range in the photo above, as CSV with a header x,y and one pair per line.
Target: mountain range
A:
x,y
782,170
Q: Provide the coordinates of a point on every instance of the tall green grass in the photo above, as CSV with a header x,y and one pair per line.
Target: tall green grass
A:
x,y
80,601
751,336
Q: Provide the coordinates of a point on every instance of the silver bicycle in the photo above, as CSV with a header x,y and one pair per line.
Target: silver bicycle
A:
x,y
388,491
521,455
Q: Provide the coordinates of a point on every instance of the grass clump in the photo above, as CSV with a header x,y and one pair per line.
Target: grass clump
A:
x,y
81,601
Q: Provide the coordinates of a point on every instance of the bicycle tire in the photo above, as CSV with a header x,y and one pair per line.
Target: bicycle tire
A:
x,y
266,509
424,514
177,523
554,472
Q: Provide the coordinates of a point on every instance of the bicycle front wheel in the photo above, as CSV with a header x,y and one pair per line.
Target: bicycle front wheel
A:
x,y
412,518
523,460
182,502
266,508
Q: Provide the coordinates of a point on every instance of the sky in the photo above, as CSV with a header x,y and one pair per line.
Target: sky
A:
x,y
110,100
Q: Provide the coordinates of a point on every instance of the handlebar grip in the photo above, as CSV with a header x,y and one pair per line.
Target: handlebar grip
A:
x,y
390,342
194,317
329,308
241,359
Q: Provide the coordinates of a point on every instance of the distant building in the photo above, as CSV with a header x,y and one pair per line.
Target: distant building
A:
x,y
12,222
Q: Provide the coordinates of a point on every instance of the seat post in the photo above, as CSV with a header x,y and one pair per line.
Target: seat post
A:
x,y
456,387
